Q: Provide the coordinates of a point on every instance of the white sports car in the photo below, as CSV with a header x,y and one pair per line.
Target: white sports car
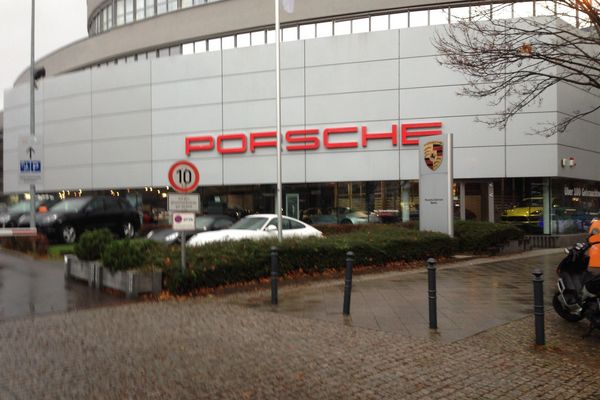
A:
x,y
256,227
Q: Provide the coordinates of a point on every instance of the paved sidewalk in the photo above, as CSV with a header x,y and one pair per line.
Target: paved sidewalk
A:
x,y
222,348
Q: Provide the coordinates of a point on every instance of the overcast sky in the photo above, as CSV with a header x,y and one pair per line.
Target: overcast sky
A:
x,y
58,22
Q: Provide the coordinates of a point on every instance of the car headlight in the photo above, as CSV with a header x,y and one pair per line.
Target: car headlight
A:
x,y
49,218
4,218
149,235
172,236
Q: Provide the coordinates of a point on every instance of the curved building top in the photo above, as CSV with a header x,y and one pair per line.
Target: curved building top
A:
x,y
124,30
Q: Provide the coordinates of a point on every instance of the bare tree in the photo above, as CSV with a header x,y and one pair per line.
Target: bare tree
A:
x,y
512,61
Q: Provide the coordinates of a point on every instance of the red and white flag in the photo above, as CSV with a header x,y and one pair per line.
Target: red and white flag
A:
x,y
288,5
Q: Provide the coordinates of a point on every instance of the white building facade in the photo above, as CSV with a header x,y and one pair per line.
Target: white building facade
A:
x,y
354,107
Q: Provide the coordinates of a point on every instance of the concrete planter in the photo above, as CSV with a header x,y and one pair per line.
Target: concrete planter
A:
x,y
132,282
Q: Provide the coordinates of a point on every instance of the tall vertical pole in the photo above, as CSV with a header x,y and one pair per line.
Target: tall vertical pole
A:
x,y
32,111
278,127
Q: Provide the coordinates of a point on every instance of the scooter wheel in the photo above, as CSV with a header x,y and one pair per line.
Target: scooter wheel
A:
x,y
565,314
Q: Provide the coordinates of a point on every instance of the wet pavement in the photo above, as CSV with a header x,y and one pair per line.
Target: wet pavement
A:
x,y
472,297
239,347
30,287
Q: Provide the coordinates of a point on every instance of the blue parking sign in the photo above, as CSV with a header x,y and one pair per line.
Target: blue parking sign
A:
x,y
25,166
36,166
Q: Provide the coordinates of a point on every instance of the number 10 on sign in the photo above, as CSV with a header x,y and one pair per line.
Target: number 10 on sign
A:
x,y
184,176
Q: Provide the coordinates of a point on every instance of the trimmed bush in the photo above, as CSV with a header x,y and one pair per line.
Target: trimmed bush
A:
x,y
480,237
225,263
121,255
92,243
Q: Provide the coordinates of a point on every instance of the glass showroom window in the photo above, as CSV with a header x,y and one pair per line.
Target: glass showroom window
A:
x,y
342,28
257,38
289,34
380,23
128,11
307,31
399,21
214,44
172,5
243,40
186,3
523,10
228,42
324,29
418,18
109,13
188,48
140,7
438,17
104,19
360,25
161,7
120,12
200,46
149,8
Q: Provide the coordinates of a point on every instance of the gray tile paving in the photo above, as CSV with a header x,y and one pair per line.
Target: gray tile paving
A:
x,y
238,347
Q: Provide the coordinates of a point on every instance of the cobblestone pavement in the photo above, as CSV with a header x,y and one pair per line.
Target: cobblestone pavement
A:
x,y
209,348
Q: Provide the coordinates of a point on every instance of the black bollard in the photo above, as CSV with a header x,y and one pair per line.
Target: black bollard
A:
x,y
432,293
348,282
274,274
538,307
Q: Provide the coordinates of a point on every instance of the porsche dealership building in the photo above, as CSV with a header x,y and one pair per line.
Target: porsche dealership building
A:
x,y
159,81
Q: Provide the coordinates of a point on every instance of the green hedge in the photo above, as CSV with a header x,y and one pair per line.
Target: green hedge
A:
x,y
92,243
127,254
480,237
232,262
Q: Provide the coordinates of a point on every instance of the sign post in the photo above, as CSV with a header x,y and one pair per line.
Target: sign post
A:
x,y
435,185
184,178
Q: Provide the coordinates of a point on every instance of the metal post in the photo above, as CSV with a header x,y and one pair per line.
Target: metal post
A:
x,y
32,114
274,274
278,201
432,293
183,261
348,282
538,306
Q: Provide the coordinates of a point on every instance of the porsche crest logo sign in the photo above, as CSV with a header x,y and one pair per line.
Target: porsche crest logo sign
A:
x,y
434,154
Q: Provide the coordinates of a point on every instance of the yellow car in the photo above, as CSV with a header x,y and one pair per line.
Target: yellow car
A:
x,y
527,212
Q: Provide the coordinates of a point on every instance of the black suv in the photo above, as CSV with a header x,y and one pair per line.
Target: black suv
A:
x,y
68,219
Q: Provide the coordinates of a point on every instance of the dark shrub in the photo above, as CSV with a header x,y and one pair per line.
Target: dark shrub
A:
x,y
92,244
120,255
231,262
480,237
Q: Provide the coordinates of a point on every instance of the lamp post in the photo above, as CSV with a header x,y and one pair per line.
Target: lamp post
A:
x,y
278,117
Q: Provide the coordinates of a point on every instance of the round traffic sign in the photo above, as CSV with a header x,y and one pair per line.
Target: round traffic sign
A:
x,y
184,176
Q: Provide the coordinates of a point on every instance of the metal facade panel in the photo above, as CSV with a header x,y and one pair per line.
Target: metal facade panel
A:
x,y
479,162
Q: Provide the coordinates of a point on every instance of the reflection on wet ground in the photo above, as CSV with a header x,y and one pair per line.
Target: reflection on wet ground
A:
x,y
33,287
471,297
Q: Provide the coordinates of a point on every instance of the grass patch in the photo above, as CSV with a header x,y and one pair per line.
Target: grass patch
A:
x,y
59,250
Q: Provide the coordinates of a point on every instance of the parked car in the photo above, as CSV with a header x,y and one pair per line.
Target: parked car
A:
x,y
204,223
14,214
338,215
67,220
256,227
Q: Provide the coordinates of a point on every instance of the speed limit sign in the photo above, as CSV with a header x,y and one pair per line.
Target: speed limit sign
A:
x,y
184,176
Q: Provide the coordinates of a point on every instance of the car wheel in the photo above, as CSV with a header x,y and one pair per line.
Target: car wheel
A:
x,y
128,230
346,221
69,234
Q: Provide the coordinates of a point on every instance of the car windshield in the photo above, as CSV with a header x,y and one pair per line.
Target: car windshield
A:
x,y
250,224
21,206
204,222
531,203
74,204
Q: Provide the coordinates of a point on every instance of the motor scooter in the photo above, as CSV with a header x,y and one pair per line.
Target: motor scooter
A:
x,y
578,294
